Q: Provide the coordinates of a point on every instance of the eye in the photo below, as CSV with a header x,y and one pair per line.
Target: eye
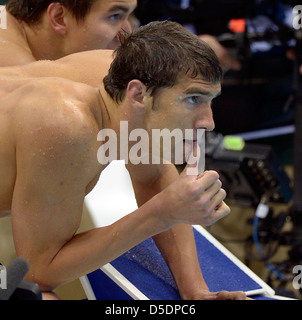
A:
x,y
194,100
114,18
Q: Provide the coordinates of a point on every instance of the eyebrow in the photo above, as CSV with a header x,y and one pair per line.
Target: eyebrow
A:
x,y
119,8
203,92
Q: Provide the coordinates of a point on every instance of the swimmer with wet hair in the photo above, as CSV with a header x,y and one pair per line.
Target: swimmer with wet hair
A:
x,y
49,146
46,29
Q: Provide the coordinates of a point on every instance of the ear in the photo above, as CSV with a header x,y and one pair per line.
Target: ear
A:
x,y
136,92
56,13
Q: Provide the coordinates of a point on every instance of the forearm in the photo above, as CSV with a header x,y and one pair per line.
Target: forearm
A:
x,y
177,245
178,248
90,250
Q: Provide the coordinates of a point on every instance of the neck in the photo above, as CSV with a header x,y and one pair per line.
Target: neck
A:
x,y
120,118
43,44
106,118
110,111
16,27
113,113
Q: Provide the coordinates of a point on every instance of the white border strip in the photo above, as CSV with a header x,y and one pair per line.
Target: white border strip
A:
x,y
266,288
87,288
266,133
118,278
123,282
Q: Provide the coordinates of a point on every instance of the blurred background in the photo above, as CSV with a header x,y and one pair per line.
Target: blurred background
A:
x,y
256,143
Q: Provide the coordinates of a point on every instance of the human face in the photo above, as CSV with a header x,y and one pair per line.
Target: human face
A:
x,y
187,105
101,26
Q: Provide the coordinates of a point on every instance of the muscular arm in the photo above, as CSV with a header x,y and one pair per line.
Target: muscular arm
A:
x,y
56,160
177,244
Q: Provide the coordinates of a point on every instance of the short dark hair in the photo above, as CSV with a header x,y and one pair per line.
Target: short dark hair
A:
x,y
158,54
30,11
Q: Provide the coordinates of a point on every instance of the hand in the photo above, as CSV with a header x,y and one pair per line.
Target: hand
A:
x,y
220,295
193,198
225,58
49,295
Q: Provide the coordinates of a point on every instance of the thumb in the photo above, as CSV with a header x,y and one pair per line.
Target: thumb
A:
x,y
193,160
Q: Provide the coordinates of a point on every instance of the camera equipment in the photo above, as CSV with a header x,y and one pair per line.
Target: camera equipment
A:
x,y
16,287
248,173
252,175
294,237
214,16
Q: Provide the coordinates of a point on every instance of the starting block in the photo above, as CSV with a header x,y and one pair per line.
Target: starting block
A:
x,y
141,273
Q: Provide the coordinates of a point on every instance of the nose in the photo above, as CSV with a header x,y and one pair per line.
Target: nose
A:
x,y
205,119
127,26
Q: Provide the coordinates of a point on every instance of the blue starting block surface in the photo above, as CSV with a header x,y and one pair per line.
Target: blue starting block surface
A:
x,y
142,274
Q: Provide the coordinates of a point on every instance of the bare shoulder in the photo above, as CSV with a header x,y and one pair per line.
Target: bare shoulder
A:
x,y
89,67
57,108
88,58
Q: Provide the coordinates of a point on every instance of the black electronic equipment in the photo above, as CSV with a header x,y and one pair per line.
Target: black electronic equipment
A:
x,y
16,287
249,173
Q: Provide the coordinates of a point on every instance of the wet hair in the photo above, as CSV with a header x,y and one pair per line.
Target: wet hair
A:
x,y
30,11
159,54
